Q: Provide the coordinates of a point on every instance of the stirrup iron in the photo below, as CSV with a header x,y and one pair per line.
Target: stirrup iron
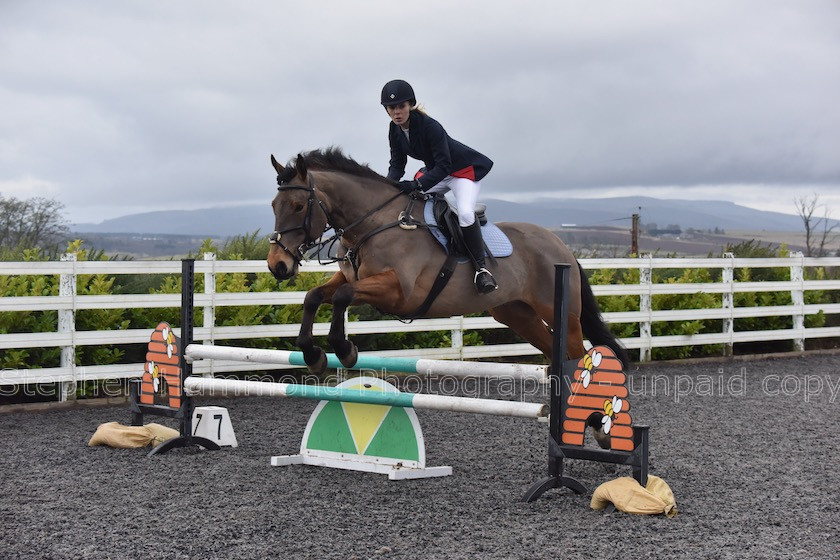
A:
x,y
491,281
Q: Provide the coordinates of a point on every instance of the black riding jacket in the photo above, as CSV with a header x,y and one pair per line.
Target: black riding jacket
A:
x,y
442,155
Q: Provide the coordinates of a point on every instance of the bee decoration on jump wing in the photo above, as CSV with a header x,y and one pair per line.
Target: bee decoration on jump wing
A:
x,y
590,362
168,339
601,422
611,408
154,371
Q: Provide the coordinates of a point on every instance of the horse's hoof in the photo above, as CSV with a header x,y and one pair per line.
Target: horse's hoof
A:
x,y
318,364
349,358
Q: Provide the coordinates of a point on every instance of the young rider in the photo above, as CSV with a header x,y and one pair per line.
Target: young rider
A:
x,y
449,165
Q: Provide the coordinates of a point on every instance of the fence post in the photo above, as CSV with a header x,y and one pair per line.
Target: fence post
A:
x,y
797,297
728,303
210,310
645,280
67,324
457,337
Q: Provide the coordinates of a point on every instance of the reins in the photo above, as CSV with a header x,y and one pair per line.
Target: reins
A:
x,y
404,221
309,243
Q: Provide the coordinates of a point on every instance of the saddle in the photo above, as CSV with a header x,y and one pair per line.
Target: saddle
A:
x,y
447,222
442,220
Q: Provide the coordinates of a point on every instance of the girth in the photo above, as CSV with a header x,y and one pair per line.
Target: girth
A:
x,y
441,281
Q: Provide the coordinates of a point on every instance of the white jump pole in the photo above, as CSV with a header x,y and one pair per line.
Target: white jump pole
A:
x,y
222,387
421,366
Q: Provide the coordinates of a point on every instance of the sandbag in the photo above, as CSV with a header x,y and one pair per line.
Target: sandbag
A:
x,y
114,434
627,495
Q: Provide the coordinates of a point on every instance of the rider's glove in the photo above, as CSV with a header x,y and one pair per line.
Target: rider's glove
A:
x,y
408,186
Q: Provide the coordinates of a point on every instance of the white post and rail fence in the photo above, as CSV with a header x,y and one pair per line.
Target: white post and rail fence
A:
x,y
67,303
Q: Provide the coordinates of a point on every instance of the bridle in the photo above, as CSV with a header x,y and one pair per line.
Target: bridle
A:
x,y
308,241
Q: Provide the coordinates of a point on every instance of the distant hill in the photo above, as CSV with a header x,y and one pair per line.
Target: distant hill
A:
x,y
697,214
205,222
548,212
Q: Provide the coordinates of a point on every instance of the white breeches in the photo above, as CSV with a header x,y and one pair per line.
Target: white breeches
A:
x,y
466,195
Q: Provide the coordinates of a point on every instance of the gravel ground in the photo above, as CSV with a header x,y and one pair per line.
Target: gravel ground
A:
x,y
754,469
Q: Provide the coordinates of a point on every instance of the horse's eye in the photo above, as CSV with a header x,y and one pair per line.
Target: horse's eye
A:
x,y
297,207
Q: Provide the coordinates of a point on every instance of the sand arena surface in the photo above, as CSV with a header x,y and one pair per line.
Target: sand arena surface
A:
x,y
753,463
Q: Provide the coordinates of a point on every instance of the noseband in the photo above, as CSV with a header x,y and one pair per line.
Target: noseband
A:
x,y
306,226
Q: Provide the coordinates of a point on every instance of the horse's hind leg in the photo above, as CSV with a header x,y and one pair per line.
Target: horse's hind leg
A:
x,y
525,322
574,335
574,338
313,355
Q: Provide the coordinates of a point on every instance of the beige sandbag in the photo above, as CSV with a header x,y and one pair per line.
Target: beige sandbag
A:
x,y
114,434
627,495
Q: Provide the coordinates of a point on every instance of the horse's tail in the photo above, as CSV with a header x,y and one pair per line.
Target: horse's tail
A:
x,y
593,324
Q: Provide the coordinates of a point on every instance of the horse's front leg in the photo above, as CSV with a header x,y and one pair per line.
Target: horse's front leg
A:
x,y
381,290
314,356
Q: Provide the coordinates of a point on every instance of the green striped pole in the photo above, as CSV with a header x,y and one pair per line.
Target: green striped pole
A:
x,y
232,387
421,366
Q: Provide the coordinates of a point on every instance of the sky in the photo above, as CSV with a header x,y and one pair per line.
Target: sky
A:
x,y
120,107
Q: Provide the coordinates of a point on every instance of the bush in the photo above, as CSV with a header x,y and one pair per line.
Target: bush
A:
x,y
700,300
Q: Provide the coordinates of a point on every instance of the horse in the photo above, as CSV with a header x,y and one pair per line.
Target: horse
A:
x,y
394,268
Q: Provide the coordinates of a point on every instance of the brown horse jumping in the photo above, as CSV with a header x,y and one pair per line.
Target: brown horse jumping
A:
x,y
393,269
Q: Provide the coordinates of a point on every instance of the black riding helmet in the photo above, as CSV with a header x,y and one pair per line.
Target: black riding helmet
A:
x,y
397,91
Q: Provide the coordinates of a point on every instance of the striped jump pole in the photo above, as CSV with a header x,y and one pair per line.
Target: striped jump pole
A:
x,y
222,387
421,366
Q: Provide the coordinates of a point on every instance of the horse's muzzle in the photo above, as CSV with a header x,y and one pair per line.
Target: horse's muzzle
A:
x,y
281,271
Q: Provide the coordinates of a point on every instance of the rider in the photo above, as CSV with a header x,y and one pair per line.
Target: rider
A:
x,y
450,165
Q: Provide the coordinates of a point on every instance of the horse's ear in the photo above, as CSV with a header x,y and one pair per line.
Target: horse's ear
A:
x,y
279,168
300,167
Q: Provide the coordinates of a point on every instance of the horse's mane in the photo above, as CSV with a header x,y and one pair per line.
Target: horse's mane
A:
x,y
331,159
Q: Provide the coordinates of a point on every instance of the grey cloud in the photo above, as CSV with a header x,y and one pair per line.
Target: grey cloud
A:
x,y
137,104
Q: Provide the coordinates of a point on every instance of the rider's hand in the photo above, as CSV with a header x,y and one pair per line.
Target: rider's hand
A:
x,y
408,186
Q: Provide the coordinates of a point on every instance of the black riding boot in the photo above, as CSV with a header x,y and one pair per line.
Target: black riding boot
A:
x,y
484,281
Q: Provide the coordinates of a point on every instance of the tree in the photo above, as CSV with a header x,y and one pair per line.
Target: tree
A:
x,y
819,231
34,222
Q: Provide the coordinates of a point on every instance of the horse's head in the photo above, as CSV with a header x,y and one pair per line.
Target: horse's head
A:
x,y
299,218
